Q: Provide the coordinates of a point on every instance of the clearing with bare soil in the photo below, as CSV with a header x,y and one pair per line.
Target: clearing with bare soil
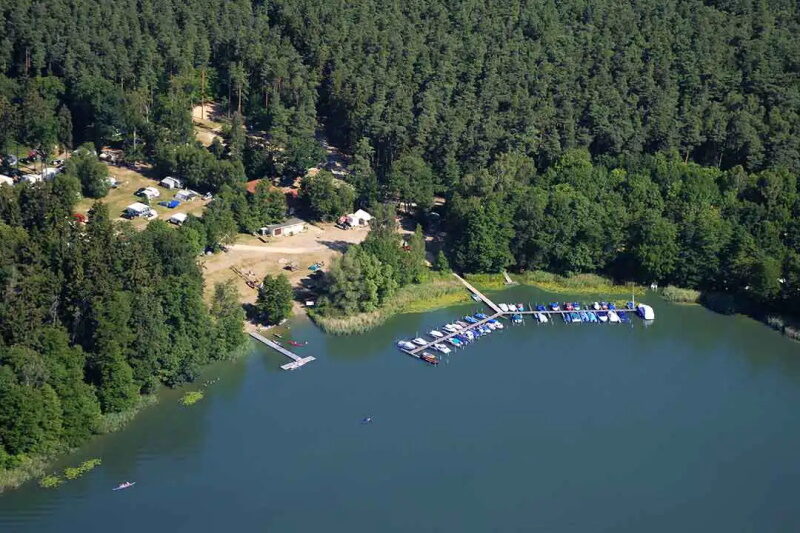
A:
x,y
255,259
206,124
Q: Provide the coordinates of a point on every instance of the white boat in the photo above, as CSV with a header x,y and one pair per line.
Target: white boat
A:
x,y
503,307
645,311
419,341
436,334
454,342
602,318
450,328
613,317
441,347
405,345
541,317
497,324
596,306
512,308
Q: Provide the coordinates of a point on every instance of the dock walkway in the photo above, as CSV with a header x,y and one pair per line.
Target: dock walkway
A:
x,y
419,349
297,361
479,294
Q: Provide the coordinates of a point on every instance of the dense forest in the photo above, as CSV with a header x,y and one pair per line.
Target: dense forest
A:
x,y
652,140
91,317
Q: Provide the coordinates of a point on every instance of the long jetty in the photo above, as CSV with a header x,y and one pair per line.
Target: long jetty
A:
x,y
497,313
297,361
419,349
479,294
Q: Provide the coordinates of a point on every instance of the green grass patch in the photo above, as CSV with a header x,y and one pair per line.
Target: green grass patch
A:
x,y
576,283
111,422
440,291
192,397
680,295
486,281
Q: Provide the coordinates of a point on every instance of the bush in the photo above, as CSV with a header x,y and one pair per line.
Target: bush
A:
x,y
50,482
792,333
775,322
679,295
440,292
86,466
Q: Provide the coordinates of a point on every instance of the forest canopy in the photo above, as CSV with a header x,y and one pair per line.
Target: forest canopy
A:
x,y
653,140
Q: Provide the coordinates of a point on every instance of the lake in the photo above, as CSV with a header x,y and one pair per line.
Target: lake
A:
x,y
690,424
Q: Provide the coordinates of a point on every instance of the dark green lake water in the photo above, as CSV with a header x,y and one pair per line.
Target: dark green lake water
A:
x,y
690,424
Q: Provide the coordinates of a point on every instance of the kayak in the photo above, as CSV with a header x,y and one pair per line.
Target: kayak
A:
x,y
295,343
125,485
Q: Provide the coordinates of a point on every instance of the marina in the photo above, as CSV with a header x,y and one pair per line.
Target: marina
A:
x,y
460,333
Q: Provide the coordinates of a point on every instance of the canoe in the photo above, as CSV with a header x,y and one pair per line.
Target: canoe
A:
x,y
125,485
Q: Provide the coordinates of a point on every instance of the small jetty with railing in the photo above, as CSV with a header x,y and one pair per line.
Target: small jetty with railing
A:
x,y
463,332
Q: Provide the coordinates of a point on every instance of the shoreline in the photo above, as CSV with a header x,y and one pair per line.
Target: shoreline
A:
x,y
36,466
439,292
442,291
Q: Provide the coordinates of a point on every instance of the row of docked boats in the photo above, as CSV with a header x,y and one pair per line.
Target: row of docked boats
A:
x,y
450,336
596,312
516,311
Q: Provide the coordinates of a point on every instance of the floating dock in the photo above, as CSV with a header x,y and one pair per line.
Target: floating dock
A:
x,y
297,361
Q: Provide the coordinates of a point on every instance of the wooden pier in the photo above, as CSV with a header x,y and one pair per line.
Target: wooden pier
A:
x,y
479,294
443,339
297,361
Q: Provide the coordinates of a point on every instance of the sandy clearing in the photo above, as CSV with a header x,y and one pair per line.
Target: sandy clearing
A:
x,y
256,259
206,128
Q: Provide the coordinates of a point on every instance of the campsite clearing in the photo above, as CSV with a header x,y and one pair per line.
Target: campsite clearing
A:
x,y
255,258
123,195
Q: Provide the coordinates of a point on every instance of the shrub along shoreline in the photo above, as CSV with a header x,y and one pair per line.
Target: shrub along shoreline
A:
x,y
439,291
36,466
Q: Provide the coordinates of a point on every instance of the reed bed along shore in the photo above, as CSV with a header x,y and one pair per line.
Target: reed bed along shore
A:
x,y
433,294
680,295
34,467
575,284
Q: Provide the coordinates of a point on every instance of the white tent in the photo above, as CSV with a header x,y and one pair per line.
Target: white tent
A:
x,y
137,209
178,218
32,178
171,183
150,192
359,218
49,173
